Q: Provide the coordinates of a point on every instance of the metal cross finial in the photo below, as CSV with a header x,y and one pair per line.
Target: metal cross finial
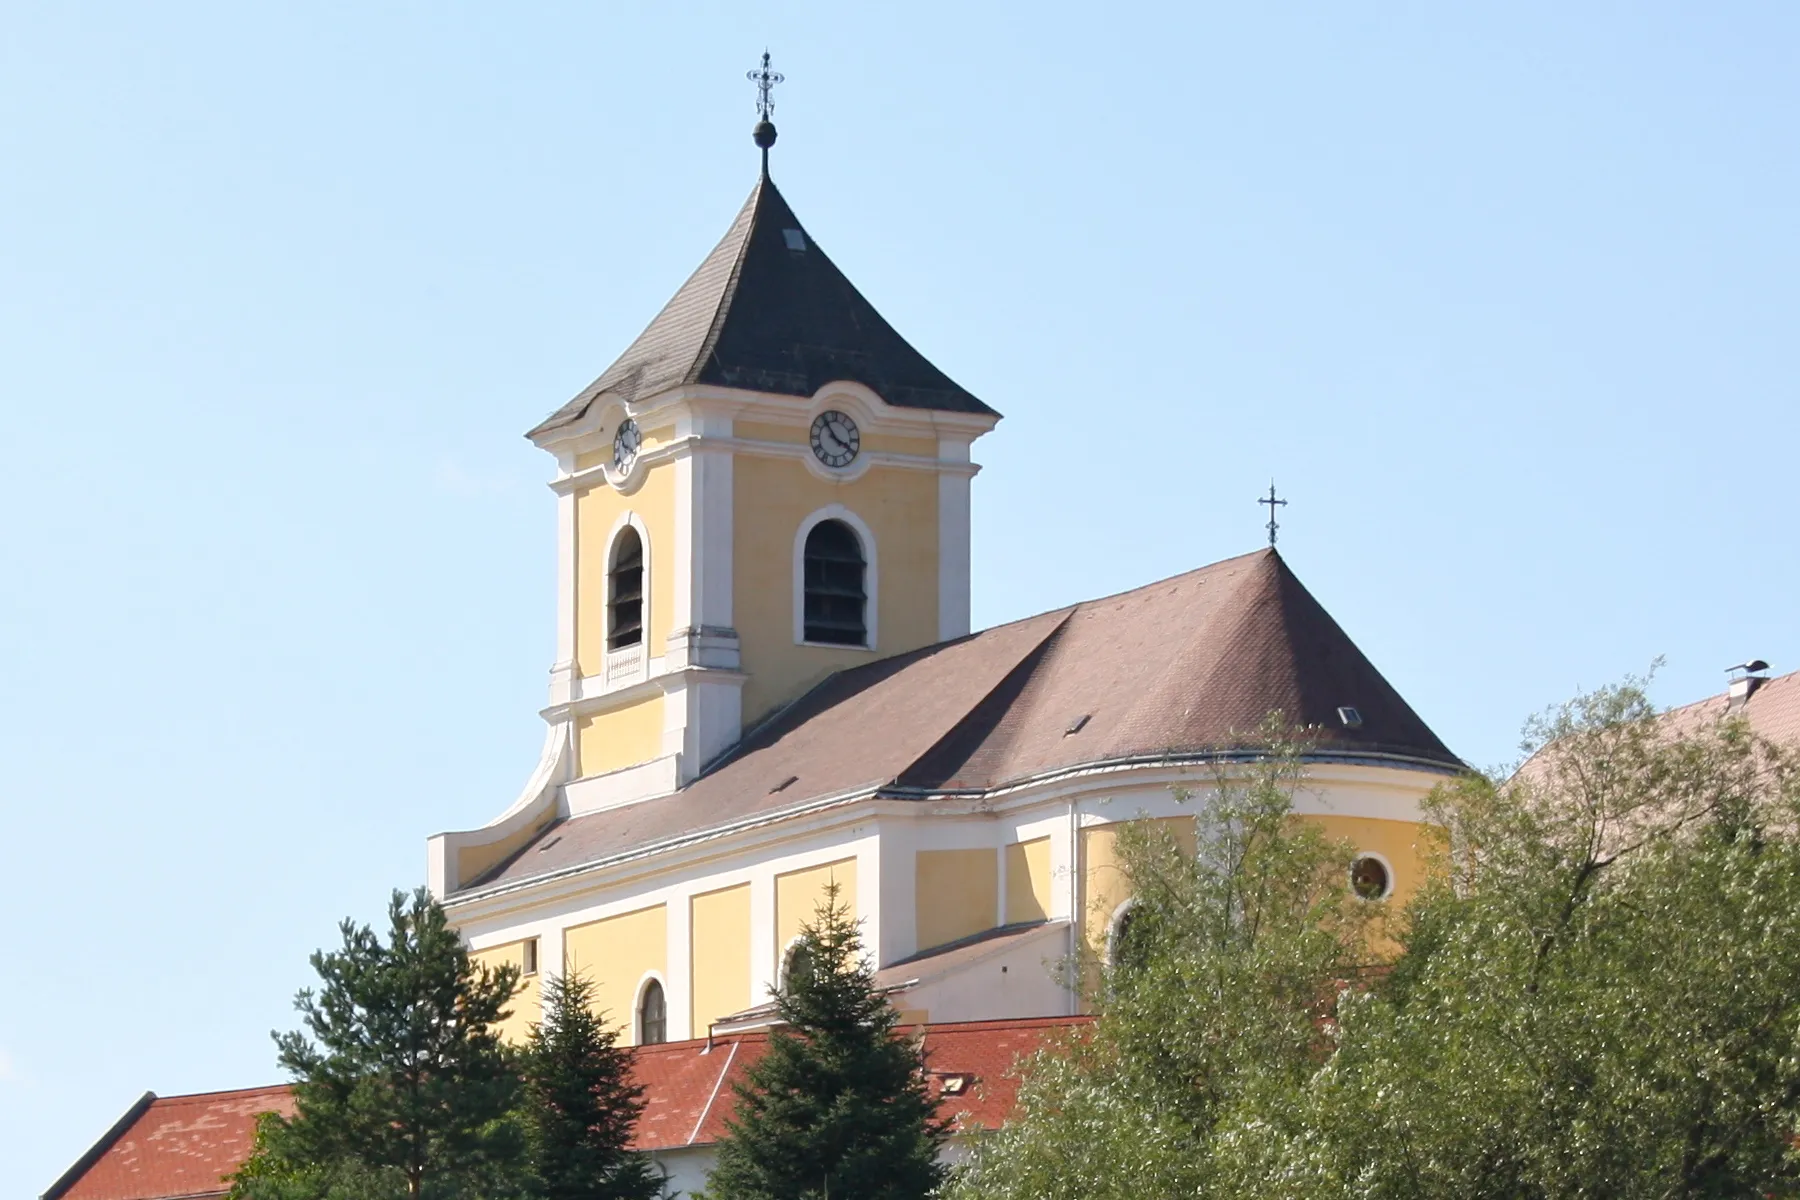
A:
x,y
765,81
1271,501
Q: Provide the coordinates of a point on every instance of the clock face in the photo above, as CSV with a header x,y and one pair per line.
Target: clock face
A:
x,y
835,439
625,445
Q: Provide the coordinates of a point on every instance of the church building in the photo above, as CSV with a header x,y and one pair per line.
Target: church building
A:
x,y
766,685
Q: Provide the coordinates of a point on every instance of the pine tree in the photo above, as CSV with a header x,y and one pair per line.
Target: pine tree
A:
x,y
837,1107
401,1083
580,1103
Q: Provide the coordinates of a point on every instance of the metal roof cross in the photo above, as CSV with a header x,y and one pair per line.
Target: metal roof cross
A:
x,y
765,81
1271,501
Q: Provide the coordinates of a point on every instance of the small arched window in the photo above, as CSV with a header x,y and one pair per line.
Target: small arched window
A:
x,y
653,1016
835,595
1125,950
625,591
799,965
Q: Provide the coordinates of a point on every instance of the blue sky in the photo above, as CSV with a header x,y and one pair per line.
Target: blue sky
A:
x,y
1503,296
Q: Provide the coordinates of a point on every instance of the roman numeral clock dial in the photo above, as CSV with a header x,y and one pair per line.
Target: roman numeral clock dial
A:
x,y
835,438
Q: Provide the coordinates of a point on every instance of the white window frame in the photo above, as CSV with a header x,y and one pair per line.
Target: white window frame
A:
x,y
871,577
637,1008
1393,879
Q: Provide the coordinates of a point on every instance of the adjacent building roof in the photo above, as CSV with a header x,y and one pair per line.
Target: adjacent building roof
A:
x,y
172,1146
1191,665
183,1147
767,311
1772,709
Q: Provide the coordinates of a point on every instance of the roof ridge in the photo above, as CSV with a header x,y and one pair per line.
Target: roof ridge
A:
x,y
727,293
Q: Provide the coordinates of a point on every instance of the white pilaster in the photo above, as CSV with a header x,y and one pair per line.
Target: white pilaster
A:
x,y
953,540
563,671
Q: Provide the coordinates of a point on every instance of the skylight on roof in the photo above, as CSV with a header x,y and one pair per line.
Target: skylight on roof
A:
x,y
795,238
1351,718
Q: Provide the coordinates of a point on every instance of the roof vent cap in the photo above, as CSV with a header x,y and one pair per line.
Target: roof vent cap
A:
x,y
1076,725
1746,677
785,784
1350,716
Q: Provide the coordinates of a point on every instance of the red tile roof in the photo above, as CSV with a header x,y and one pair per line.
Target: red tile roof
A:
x,y
1189,666
182,1147
172,1146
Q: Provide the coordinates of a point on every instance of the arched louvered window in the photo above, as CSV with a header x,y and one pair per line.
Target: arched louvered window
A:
x,y
653,1016
835,595
625,586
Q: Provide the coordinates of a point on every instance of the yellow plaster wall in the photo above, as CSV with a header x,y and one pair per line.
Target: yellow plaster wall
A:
x,y
719,955
1028,881
1104,885
798,895
1396,841
956,894
596,509
621,737
771,498
527,1009
615,953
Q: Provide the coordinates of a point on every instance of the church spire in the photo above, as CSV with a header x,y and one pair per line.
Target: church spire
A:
x,y
764,133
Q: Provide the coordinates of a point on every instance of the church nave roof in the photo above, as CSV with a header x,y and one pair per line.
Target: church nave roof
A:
x,y
1188,667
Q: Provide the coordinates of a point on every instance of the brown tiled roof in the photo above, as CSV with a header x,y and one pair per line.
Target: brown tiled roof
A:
x,y
762,315
1190,665
172,1146
182,1147
1772,710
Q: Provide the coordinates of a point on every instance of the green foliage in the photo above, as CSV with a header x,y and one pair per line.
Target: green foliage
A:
x,y
401,1083
580,1103
838,1105
1212,1009
1599,996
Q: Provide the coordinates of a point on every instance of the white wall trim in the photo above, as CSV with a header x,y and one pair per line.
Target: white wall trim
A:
x,y
871,575
1113,924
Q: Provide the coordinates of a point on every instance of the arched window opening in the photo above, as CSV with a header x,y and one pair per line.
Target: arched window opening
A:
x,y
653,1016
835,596
799,965
625,600
1126,949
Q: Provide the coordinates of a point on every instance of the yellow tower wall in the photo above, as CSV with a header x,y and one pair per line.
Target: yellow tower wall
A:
x,y
621,737
719,955
615,953
772,496
596,511
956,894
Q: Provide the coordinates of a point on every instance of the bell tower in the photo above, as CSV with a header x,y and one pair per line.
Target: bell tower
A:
x,y
770,484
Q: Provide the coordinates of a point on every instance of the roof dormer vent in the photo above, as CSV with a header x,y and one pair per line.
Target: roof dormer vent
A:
x,y
1746,677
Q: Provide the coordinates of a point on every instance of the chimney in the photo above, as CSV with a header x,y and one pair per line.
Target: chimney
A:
x,y
1746,677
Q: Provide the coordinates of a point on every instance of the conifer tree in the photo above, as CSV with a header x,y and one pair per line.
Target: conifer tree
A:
x,y
401,1083
580,1103
838,1106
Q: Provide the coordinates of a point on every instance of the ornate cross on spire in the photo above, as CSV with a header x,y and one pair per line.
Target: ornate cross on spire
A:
x,y
1271,501
764,133
765,81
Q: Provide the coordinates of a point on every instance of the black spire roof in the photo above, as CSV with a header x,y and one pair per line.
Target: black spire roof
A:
x,y
768,312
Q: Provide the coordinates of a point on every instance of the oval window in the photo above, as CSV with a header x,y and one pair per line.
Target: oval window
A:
x,y
1369,878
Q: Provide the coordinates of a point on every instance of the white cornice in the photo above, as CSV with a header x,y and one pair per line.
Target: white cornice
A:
x,y
761,830
773,407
